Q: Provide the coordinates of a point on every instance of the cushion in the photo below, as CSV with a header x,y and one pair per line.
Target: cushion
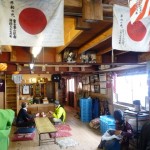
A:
x,y
25,130
23,137
67,142
60,133
63,127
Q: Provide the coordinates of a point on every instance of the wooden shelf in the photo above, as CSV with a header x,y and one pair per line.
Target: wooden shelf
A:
x,y
10,93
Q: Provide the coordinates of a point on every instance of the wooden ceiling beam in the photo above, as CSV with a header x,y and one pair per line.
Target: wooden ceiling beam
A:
x,y
6,48
100,38
81,24
104,51
74,7
73,3
70,34
92,10
120,53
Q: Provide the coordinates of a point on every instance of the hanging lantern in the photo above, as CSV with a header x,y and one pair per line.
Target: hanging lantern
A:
x,y
3,66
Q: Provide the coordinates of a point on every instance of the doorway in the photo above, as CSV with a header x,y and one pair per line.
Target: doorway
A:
x,y
71,90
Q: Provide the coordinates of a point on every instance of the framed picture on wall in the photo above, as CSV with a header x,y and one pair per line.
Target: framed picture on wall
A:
x,y
92,79
96,78
92,88
96,88
26,90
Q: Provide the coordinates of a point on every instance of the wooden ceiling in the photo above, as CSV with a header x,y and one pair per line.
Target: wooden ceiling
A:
x,y
83,36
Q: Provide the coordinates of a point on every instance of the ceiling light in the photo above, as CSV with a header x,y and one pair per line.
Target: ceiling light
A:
x,y
31,66
35,51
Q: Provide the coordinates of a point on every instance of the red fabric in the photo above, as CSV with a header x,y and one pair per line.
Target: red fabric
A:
x,y
23,137
62,131
63,127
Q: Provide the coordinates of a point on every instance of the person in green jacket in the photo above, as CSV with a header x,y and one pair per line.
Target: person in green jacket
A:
x,y
59,115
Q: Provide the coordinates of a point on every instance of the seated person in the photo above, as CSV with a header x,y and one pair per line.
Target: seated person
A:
x,y
24,119
145,137
59,115
123,131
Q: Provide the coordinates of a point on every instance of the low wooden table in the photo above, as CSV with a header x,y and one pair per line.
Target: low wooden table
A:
x,y
44,126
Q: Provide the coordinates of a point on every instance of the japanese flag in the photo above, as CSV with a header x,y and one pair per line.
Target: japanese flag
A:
x,y
32,23
127,36
139,9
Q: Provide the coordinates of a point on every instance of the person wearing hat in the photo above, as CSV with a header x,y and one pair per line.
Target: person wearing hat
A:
x,y
59,115
123,130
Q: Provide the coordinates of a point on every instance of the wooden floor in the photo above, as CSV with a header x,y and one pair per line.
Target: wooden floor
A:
x,y
87,138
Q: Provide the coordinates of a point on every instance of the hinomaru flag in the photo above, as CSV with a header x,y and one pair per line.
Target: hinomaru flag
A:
x,y
139,9
32,22
127,36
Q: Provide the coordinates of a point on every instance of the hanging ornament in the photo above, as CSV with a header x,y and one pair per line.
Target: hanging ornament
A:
x,y
3,66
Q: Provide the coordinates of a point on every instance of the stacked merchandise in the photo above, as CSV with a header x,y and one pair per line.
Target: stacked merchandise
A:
x,y
95,108
86,109
106,122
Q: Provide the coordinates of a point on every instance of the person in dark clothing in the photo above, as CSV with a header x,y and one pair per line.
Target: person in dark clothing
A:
x,y
145,137
123,129
24,119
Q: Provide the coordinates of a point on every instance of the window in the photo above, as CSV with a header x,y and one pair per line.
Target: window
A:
x,y
132,87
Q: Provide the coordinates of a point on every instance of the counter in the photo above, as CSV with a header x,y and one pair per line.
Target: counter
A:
x,y
38,108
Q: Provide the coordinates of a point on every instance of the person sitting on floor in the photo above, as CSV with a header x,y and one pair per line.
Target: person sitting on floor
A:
x,y
23,118
123,130
59,115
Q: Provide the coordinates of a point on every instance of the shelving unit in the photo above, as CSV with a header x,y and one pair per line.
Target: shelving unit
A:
x,y
10,93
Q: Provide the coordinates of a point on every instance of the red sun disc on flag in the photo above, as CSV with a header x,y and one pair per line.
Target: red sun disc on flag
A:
x,y
32,20
136,31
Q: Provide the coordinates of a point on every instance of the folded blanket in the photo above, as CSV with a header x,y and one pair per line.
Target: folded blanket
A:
x,y
108,135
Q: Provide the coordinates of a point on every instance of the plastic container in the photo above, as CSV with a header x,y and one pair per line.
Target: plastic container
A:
x,y
86,109
106,122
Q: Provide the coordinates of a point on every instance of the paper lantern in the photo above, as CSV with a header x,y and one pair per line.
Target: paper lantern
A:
x,y
3,66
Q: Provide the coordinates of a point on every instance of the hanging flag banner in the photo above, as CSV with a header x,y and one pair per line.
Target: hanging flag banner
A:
x,y
127,36
139,9
32,23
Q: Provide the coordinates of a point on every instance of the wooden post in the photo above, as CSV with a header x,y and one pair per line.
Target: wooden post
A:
x,y
13,56
56,91
81,24
92,10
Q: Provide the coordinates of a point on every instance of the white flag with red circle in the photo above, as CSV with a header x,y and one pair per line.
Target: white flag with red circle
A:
x,y
32,23
127,36
139,9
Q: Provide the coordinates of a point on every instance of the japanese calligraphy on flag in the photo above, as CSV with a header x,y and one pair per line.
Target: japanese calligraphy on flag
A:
x,y
127,36
32,23
139,9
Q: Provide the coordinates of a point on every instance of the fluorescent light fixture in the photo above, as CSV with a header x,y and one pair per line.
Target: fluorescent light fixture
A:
x,y
35,51
31,66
